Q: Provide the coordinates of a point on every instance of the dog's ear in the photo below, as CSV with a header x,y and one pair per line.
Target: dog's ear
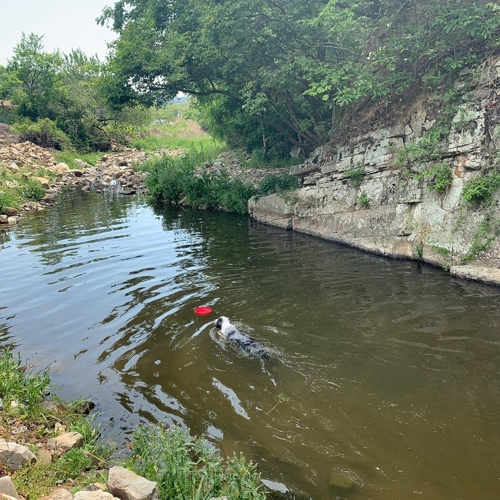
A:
x,y
218,324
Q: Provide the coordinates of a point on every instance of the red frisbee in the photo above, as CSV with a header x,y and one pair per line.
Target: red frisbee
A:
x,y
202,310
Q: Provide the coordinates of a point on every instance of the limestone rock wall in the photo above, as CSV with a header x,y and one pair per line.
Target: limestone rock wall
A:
x,y
392,211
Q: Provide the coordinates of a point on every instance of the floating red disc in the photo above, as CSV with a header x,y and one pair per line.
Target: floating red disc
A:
x,y
202,310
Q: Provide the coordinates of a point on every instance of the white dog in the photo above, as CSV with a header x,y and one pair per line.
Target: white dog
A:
x,y
227,331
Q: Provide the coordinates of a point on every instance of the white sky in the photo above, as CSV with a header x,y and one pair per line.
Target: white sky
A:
x,y
64,24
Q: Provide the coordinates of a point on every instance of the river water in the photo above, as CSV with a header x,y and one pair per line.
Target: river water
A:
x,y
386,373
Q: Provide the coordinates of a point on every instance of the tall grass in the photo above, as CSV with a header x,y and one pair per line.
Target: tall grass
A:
x,y
172,179
179,134
185,467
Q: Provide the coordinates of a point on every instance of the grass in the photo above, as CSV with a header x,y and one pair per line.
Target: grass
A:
x,y
182,134
186,467
24,396
69,157
172,178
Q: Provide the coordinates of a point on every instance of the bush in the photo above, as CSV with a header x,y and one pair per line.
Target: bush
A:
x,y
32,190
276,184
440,177
169,177
480,190
356,175
43,132
185,467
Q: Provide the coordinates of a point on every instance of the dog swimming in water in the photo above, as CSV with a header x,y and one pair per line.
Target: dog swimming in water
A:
x,y
251,347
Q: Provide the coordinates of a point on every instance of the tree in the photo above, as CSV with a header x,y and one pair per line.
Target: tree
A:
x,y
290,68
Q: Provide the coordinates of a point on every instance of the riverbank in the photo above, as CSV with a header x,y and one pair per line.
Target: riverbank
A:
x,y
51,450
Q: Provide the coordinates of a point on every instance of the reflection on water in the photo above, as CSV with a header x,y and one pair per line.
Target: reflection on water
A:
x,y
387,377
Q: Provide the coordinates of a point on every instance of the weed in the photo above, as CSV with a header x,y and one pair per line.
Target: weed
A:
x,y
32,190
185,467
356,175
280,398
276,184
479,191
439,177
363,200
487,232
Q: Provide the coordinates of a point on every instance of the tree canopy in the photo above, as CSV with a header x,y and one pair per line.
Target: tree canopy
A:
x,y
273,74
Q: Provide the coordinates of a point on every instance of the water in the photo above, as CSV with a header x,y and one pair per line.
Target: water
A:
x,y
387,372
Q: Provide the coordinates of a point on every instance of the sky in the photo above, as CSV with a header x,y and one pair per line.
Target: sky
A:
x,y
64,24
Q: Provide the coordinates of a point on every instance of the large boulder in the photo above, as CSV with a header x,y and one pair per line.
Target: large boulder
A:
x,y
15,456
127,485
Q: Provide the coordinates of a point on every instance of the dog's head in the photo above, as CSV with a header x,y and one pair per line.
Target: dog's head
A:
x,y
222,325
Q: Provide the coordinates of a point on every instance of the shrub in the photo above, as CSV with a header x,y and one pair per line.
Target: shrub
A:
x,y
363,200
185,467
32,190
440,177
275,184
169,177
356,176
43,132
480,190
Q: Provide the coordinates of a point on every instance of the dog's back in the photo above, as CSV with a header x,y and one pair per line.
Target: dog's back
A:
x,y
247,344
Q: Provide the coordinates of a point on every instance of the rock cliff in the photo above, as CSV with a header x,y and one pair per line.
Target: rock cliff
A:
x,y
398,188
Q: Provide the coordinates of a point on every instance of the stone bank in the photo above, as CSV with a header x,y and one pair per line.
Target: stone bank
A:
x,y
392,210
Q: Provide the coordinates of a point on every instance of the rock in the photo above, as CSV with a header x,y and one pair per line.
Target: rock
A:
x,y
44,457
3,496
76,173
7,487
95,487
60,494
11,221
80,163
43,181
65,442
55,407
127,485
4,219
15,456
340,481
11,211
61,168
93,495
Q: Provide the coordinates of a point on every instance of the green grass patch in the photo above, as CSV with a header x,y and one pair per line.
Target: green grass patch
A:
x,y
69,157
185,467
179,134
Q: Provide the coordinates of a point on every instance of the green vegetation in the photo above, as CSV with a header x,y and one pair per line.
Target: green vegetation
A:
x,y
188,468
487,232
173,179
22,188
479,191
356,175
182,134
26,400
439,177
269,75
363,200
62,100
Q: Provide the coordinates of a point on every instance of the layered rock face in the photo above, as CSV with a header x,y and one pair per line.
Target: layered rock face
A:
x,y
392,208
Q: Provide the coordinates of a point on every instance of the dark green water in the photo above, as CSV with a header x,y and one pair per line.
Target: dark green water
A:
x,y
388,372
